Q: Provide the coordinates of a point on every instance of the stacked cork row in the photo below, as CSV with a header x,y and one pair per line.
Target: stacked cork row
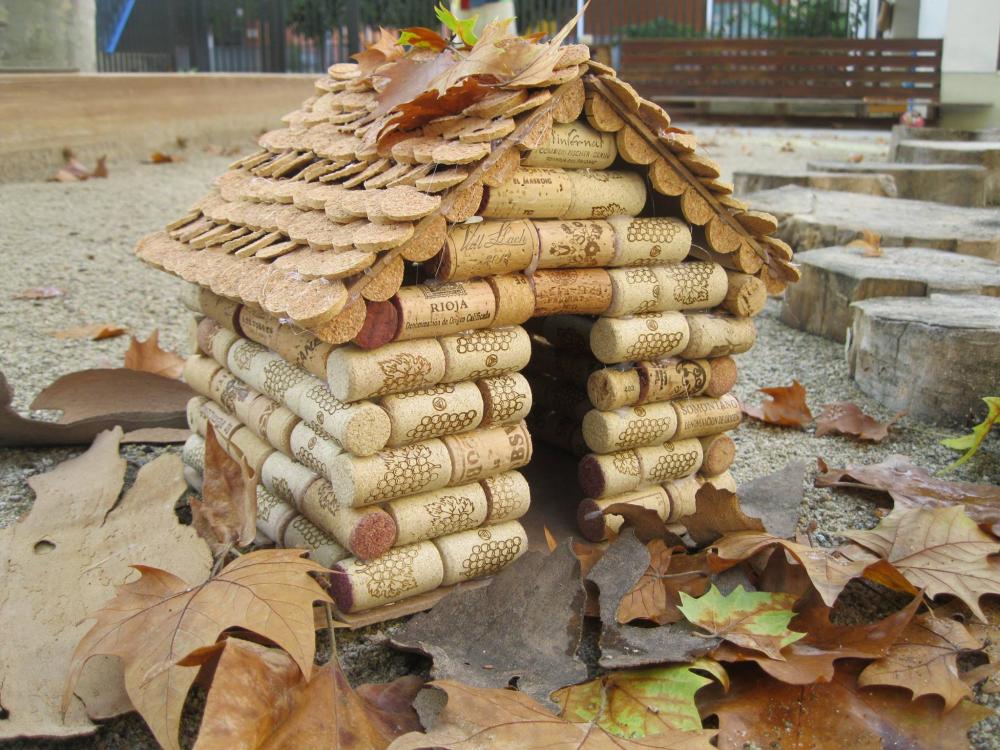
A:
x,y
395,466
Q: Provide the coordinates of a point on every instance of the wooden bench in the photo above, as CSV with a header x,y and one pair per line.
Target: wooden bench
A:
x,y
874,74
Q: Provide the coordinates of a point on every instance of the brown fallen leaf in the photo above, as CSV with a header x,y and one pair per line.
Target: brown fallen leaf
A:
x,y
784,406
92,401
39,292
226,515
149,357
268,592
870,242
846,418
856,158
940,550
550,540
95,332
383,50
158,157
787,147
656,595
646,523
491,718
910,486
762,712
62,561
925,660
988,633
259,699
101,168
717,512
812,658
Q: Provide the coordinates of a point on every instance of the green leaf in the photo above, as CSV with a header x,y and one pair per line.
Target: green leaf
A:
x,y
421,36
641,702
970,443
756,620
465,29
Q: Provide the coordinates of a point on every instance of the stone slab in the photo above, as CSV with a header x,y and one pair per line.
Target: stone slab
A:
x,y
934,357
955,184
983,153
835,277
823,218
866,184
902,133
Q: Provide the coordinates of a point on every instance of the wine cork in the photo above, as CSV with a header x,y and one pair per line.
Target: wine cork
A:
x,y
264,370
670,460
400,573
723,481
649,241
718,336
670,378
598,195
584,291
631,427
236,397
609,474
633,290
641,337
515,299
574,244
682,496
190,296
719,451
214,340
698,417
596,526
698,285
483,354
530,192
574,368
272,422
301,533
365,532
191,336
722,376
507,399
432,412
612,389
508,496
432,514
480,552
199,371
480,453
313,449
355,374
273,514
286,479
361,427
298,347
574,145
426,310
195,419
746,295
379,326
202,412
485,248
568,332
193,452
223,311
391,473
247,446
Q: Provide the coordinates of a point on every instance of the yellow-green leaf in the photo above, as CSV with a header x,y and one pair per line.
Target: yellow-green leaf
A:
x,y
465,29
641,703
756,620
970,443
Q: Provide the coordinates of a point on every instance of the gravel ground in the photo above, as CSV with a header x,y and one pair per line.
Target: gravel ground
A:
x,y
79,237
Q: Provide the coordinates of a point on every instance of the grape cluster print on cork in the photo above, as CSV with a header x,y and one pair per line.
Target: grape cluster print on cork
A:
x,y
407,289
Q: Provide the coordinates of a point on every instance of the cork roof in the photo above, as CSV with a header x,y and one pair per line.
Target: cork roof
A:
x,y
356,182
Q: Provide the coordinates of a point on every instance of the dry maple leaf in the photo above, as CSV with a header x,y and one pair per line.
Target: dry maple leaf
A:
x,y
925,660
550,541
717,512
762,712
785,406
645,521
988,633
39,292
155,622
494,718
158,157
940,550
95,332
656,595
847,418
870,242
812,658
383,50
149,357
260,699
226,514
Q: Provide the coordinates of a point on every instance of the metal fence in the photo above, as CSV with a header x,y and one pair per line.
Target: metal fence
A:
x,y
309,35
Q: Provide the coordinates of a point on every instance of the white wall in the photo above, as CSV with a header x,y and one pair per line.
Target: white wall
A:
x,y
972,35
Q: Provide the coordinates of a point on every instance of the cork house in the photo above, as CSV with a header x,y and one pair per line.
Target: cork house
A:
x,y
407,290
